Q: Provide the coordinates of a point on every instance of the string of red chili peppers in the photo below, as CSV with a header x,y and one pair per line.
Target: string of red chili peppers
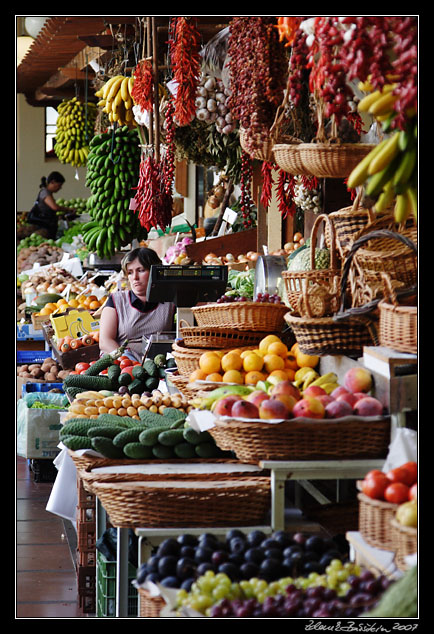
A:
x,y
246,202
284,188
168,160
184,49
142,91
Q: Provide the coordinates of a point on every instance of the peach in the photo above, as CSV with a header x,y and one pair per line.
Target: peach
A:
x,y
368,406
244,409
309,407
223,407
325,399
358,379
339,390
348,398
273,408
314,390
337,409
287,399
359,395
257,396
286,387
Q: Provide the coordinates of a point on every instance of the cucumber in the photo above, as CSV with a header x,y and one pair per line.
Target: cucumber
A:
x,y
206,450
163,452
194,437
185,450
171,437
105,446
152,418
127,435
136,386
76,427
137,451
87,382
113,419
75,443
109,431
149,437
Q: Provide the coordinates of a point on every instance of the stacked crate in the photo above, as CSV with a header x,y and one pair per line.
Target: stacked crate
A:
x,y
86,549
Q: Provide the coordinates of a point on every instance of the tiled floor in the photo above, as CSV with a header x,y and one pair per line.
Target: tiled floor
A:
x,y
46,583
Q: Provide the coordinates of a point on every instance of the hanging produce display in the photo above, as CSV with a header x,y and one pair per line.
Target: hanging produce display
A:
x,y
152,202
142,91
74,130
116,101
184,46
212,104
112,174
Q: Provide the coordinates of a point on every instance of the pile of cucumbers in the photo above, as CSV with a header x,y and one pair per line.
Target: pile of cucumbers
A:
x,y
113,165
155,436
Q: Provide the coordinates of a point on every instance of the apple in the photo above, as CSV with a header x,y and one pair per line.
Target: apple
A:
x,y
348,398
337,409
309,407
287,399
338,391
257,396
244,409
314,390
359,395
273,408
286,387
223,407
358,379
368,406
325,399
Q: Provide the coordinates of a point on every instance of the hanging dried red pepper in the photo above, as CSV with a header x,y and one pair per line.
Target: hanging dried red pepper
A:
x,y
285,194
184,47
267,183
142,91
168,159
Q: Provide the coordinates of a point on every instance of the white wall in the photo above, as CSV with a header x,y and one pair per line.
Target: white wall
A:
x,y
31,164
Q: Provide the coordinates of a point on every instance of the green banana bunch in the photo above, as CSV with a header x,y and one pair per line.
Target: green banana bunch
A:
x,y
74,126
209,401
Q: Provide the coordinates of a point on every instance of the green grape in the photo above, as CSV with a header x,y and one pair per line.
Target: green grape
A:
x,y
247,589
343,589
219,592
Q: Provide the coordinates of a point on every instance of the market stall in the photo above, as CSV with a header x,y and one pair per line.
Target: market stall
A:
x,y
290,381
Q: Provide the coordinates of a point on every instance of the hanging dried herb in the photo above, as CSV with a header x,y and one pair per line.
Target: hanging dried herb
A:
x,y
184,48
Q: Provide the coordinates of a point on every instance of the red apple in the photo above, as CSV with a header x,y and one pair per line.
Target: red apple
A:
x,y
338,408
257,396
314,390
338,391
273,408
309,407
286,387
325,399
358,379
287,399
223,407
348,398
359,395
368,406
244,409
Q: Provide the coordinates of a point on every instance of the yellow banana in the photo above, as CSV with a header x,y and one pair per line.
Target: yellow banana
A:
x,y
106,87
385,155
367,101
412,197
308,379
330,377
300,375
402,207
114,88
130,85
365,86
360,173
386,197
124,89
383,105
329,387
118,99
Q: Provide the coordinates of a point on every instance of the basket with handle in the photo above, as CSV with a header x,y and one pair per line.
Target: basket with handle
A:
x,y
404,539
207,337
398,321
261,316
315,292
374,521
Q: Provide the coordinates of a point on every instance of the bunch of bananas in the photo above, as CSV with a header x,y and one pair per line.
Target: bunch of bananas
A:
x,y
116,101
389,171
305,377
74,128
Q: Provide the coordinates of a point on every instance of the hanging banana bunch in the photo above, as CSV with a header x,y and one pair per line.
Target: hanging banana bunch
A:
x,y
116,101
75,129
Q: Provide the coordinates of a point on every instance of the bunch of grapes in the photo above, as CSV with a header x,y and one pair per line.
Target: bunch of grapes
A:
x,y
265,298
268,298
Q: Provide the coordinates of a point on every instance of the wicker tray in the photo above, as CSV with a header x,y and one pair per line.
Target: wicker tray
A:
x,y
150,606
398,322
404,539
189,389
315,292
332,160
181,504
205,337
302,439
374,521
288,157
247,316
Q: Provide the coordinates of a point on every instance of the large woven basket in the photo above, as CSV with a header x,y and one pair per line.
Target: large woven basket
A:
x,y
315,292
249,316
374,521
404,539
262,149
206,337
332,159
187,388
150,605
294,439
187,359
398,326
185,503
287,156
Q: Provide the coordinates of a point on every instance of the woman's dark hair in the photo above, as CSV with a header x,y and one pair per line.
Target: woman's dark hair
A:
x,y
147,257
54,176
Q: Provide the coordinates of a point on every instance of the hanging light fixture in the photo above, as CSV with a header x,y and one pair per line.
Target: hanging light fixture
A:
x,y
34,23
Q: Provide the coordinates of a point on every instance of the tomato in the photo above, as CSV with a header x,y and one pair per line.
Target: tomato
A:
x,y
125,362
400,474
375,472
412,468
374,485
127,368
396,493
413,492
104,371
74,372
82,365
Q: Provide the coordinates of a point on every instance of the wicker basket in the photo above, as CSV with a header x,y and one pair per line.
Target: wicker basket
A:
x,y
315,293
398,322
182,504
187,359
287,156
187,388
150,605
404,539
205,337
374,521
246,316
332,159
303,439
262,149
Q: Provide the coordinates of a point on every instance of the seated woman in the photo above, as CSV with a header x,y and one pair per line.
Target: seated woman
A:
x,y
127,315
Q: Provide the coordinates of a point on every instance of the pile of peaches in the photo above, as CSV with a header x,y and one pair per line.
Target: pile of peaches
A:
x,y
284,400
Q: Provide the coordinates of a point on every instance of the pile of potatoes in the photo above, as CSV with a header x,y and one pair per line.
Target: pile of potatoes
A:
x,y
43,254
49,370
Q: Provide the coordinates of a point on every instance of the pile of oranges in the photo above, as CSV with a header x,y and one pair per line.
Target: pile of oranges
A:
x,y
272,361
89,302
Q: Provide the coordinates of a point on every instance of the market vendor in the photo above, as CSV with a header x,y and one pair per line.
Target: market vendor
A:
x,y
44,212
127,315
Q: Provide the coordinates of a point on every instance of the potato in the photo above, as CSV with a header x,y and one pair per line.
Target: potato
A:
x,y
62,374
34,366
22,368
51,378
25,375
36,373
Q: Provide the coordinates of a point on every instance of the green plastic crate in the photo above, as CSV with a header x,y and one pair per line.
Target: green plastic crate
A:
x,y
106,588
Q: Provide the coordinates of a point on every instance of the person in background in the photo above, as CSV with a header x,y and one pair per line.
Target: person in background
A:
x,y
44,212
127,315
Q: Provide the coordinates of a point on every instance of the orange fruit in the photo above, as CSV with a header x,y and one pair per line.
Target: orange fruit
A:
x,y
197,375
45,311
294,348
62,302
281,375
267,340
233,376
253,361
51,306
273,362
214,376
73,303
291,361
209,362
279,348
306,360
94,305
252,377
290,373
231,361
